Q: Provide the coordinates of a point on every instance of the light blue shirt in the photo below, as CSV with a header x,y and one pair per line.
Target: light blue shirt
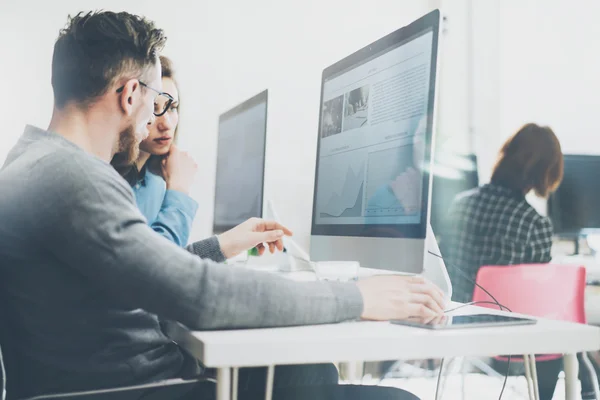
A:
x,y
169,212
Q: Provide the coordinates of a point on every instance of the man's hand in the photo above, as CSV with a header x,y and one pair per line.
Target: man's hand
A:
x,y
255,232
400,297
179,170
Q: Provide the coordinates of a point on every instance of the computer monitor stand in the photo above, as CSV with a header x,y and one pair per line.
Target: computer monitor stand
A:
x,y
297,259
434,267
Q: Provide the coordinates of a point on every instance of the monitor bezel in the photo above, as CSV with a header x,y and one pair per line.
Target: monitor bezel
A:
x,y
262,97
421,26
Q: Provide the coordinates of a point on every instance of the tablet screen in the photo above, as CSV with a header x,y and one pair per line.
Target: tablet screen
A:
x,y
465,321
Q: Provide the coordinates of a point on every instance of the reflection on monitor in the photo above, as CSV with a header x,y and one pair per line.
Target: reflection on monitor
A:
x,y
374,144
452,175
240,163
573,208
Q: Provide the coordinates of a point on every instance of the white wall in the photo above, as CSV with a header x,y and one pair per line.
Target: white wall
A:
x,y
550,66
532,60
536,60
453,130
283,47
225,52
29,29
542,55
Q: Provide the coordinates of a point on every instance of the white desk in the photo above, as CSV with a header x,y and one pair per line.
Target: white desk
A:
x,y
379,341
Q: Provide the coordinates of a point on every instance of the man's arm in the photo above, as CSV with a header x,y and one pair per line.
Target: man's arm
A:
x,y
98,230
207,248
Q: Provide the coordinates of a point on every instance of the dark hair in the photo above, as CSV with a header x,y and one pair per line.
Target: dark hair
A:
x,y
130,171
96,48
531,159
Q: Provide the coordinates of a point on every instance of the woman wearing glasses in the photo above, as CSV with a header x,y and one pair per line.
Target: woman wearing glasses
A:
x,y
161,179
162,176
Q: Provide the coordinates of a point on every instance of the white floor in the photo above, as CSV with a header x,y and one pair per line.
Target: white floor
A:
x,y
477,387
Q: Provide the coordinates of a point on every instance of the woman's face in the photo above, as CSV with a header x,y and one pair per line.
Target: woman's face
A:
x,y
162,130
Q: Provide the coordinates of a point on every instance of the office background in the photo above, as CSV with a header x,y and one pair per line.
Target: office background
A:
x,y
503,63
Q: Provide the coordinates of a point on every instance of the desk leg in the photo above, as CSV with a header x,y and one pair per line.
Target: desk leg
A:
x,y
571,370
270,379
353,371
224,384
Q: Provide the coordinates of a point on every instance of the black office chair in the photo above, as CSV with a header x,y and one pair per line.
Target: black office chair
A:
x,y
93,394
103,394
84,395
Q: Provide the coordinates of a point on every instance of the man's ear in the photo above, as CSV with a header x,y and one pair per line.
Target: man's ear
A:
x,y
127,95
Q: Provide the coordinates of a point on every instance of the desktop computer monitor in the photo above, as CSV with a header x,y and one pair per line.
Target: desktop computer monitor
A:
x,y
374,152
240,163
573,208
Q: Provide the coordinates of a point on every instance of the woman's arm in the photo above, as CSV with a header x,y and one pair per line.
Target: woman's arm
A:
x,y
541,241
174,220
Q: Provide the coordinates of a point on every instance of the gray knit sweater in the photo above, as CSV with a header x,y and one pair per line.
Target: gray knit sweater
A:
x,y
86,280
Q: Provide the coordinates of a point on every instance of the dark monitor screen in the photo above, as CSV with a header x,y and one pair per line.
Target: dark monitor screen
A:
x,y
574,208
451,176
240,163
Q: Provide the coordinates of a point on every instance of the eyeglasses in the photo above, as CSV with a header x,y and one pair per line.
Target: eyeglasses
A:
x,y
166,98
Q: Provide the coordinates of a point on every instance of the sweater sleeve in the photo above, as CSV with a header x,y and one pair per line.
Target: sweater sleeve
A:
x,y
98,231
207,248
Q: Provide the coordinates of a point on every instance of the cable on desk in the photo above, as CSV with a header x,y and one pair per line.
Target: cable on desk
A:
x,y
471,280
496,302
473,303
437,386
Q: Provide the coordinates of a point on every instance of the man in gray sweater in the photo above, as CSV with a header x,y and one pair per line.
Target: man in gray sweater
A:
x,y
83,278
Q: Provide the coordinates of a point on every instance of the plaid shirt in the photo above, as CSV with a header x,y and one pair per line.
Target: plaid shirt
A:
x,y
492,225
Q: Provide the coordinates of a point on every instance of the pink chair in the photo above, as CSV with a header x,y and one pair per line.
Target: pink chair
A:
x,y
540,290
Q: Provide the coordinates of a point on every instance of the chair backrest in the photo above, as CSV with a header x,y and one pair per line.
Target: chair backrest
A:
x,y
540,290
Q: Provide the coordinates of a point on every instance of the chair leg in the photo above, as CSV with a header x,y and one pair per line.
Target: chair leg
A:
x,y
528,376
536,387
592,371
270,381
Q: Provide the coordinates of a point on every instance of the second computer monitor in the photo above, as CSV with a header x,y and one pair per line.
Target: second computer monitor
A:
x,y
239,178
372,182
452,175
574,208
